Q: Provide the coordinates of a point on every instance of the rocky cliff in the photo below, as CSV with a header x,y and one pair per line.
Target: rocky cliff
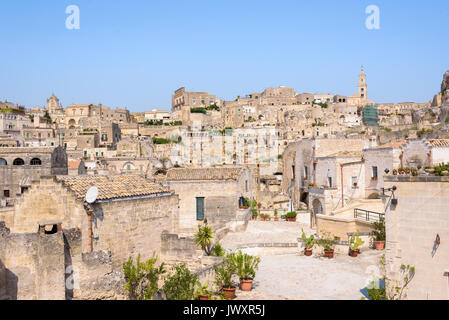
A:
x,y
444,98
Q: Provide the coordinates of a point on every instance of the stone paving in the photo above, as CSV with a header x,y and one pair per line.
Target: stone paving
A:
x,y
286,274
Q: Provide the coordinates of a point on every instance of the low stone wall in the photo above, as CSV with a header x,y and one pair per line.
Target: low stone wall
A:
x,y
172,245
340,227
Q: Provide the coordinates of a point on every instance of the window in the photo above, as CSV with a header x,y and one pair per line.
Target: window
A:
x,y
36,162
246,185
18,162
329,179
3,162
6,193
306,172
293,172
200,209
374,173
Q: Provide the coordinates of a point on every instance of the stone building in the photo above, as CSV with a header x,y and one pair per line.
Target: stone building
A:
x,y
377,160
181,98
82,239
417,235
209,193
20,167
301,168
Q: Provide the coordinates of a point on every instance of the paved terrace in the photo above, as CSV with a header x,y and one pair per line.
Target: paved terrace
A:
x,y
285,274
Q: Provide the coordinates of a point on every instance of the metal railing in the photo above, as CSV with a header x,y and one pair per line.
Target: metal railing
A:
x,y
368,215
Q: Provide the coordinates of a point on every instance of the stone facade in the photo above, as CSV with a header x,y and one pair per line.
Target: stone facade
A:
x,y
413,226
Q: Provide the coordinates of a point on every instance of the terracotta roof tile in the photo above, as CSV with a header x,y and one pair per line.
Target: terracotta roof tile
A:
x,y
394,144
112,187
439,142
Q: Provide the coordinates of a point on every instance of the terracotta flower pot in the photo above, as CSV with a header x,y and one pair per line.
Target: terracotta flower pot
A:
x,y
353,253
229,293
276,219
329,254
246,285
291,219
380,245
308,252
204,297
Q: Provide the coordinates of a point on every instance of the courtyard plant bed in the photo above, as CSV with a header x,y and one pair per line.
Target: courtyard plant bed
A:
x,y
379,234
355,243
328,244
291,216
246,266
308,242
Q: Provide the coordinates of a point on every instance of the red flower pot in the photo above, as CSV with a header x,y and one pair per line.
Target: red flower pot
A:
x,y
229,293
276,219
246,285
204,297
353,253
308,252
329,254
291,219
380,245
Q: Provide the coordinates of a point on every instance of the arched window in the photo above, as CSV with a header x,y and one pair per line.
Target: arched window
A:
x,y
36,162
3,162
18,162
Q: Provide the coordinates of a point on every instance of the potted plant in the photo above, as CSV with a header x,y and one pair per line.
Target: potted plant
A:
x,y
202,292
276,218
379,234
328,244
255,214
291,216
308,243
355,243
247,266
223,277
395,172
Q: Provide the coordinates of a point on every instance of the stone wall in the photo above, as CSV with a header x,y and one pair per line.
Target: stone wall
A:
x,y
32,266
138,223
412,227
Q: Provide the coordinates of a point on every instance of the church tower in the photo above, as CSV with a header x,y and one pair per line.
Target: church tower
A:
x,y
363,87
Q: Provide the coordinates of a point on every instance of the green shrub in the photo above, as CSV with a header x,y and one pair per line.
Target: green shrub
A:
x,y
181,284
198,110
218,250
142,278
157,140
291,215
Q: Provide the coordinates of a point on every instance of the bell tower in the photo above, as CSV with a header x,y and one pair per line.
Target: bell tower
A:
x,y
363,87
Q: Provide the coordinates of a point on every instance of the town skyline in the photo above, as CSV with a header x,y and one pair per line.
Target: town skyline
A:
x,y
136,55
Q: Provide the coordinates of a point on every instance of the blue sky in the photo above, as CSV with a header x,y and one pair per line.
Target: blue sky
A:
x,y
134,53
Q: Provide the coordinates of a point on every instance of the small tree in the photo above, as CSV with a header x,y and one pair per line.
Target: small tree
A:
x,y
142,278
181,284
203,238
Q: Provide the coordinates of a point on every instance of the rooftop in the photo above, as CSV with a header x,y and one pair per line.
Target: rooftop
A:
x,y
112,187
438,143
